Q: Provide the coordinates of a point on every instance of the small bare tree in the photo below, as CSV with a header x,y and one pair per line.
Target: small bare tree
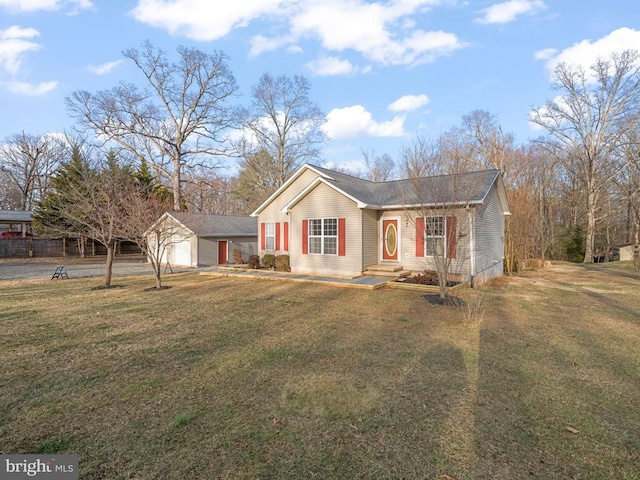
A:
x,y
152,230
88,198
437,210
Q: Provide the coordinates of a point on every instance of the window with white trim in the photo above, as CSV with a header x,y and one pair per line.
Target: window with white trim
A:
x,y
323,236
434,238
270,235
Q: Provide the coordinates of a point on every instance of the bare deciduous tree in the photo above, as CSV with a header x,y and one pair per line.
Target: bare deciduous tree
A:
x,y
437,212
88,198
281,125
209,193
180,118
28,161
380,168
487,142
153,237
422,157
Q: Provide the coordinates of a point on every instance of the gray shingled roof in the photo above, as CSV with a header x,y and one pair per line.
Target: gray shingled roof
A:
x,y
15,216
218,225
460,188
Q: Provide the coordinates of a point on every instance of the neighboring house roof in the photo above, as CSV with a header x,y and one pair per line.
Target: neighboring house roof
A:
x,y
443,190
7,216
204,225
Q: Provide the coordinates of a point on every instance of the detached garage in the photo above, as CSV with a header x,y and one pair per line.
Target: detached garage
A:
x,y
196,239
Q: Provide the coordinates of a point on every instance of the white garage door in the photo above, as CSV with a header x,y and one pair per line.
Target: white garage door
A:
x,y
182,253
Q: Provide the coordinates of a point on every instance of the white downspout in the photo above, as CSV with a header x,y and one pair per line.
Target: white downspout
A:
x,y
472,247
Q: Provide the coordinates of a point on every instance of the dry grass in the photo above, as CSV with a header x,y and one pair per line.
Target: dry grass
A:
x,y
243,378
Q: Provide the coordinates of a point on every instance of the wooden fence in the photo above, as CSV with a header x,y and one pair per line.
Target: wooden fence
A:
x,y
58,247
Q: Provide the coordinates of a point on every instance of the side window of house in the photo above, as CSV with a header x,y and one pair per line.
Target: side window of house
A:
x,y
434,236
270,236
323,236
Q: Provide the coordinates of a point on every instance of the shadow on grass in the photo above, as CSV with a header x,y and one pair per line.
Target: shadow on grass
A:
x,y
110,287
449,300
156,289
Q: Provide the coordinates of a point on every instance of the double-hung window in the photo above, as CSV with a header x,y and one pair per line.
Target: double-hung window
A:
x,y
323,236
270,236
434,228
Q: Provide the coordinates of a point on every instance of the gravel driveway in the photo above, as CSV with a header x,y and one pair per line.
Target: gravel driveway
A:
x,y
34,269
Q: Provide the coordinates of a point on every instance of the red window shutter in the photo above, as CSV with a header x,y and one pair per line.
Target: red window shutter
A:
x,y
342,237
286,236
305,237
263,232
419,237
277,236
452,237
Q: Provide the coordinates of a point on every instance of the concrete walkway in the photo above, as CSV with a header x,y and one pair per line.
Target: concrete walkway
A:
x,y
370,283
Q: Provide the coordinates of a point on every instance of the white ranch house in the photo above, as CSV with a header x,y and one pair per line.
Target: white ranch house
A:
x,y
335,224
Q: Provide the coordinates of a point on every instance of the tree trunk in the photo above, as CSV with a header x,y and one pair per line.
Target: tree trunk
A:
x,y
158,273
591,228
176,186
108,268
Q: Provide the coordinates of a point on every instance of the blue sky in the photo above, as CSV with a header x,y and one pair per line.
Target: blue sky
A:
x,y
382,71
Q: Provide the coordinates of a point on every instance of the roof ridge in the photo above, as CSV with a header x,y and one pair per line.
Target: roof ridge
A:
x,y
442,175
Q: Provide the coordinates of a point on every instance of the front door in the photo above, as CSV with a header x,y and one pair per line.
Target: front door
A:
x,y
222,252
390,239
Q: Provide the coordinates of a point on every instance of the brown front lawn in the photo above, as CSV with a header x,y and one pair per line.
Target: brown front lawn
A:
x,y
245,378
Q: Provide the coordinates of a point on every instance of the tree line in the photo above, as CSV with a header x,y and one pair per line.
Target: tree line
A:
x,y
574,191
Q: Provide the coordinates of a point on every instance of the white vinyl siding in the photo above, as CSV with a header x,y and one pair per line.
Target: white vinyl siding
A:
x,y
324,202
489,237
461,265
207,251
273,211
370,238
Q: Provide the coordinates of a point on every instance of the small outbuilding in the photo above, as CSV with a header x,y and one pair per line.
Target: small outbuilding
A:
x,y
15,223
196,239
625,252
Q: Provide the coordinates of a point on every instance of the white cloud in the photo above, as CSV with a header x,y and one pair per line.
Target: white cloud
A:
x,y
104,68
383,31
261,44
355,121
203,19
586,53
545,54
508,11
408,103
368,28
35,5
16,31
327,66
30,90
13,45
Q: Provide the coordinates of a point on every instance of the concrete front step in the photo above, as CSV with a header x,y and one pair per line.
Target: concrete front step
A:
x,y
386,273
385,267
